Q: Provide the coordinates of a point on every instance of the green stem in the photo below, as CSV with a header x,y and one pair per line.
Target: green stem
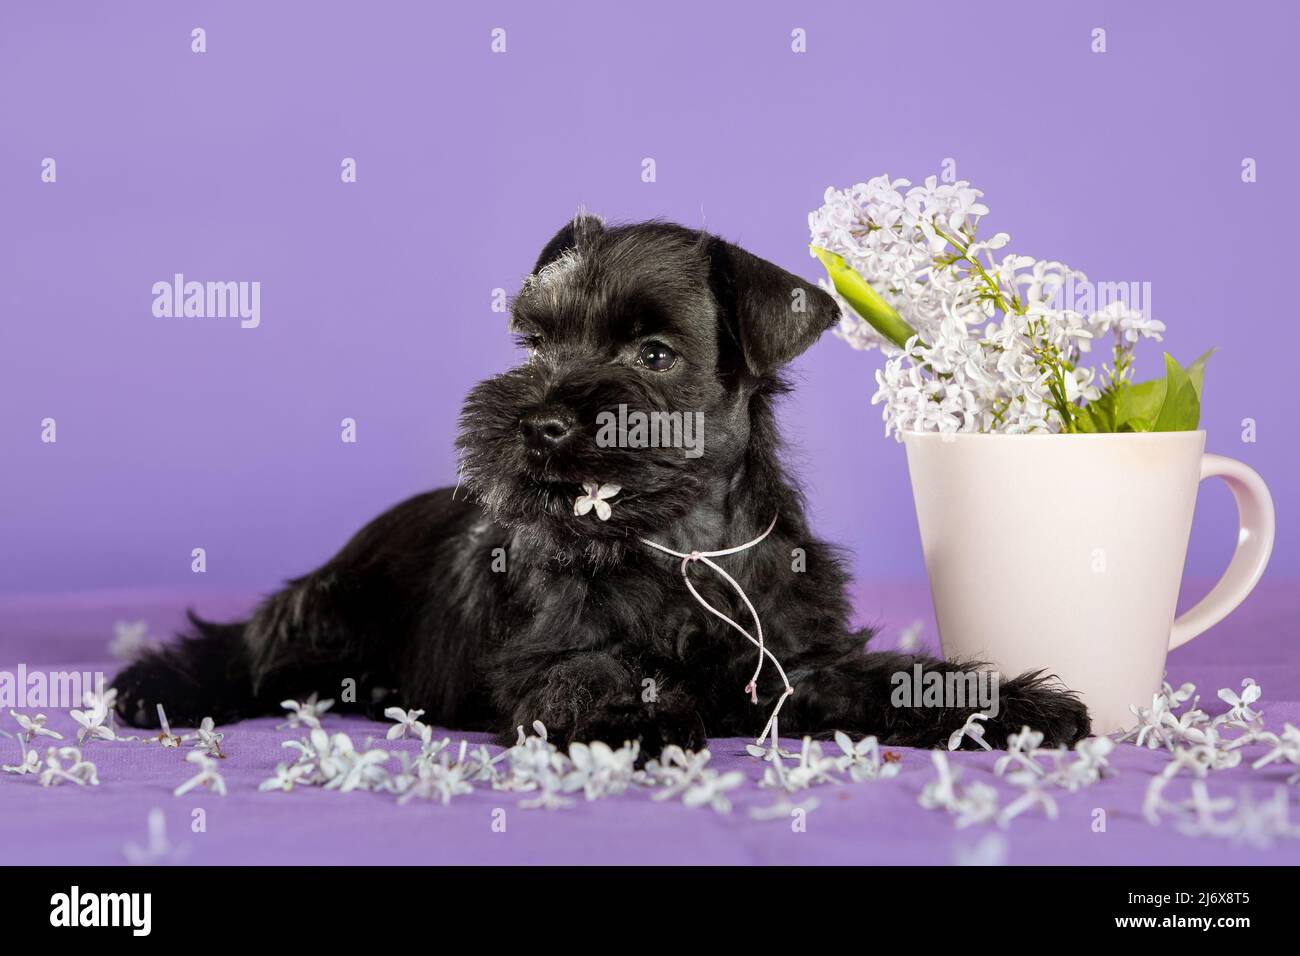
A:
x,y
993,286
866,301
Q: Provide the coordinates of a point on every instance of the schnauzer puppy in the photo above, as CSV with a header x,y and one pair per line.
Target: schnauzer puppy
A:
x,y
533,592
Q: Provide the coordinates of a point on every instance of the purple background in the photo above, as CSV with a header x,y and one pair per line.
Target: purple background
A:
x,y
376,296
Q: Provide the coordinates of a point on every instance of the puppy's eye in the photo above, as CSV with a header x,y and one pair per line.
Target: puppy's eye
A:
x,y
528,341
657,357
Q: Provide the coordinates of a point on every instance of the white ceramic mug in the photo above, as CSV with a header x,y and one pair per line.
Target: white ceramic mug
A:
x,y
1065,552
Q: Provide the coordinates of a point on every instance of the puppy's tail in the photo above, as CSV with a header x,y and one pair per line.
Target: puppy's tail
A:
x,y
207,673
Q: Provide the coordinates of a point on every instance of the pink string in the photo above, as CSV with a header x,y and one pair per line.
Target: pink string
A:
x,y
705,558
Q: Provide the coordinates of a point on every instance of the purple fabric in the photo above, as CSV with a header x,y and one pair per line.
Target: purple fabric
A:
x,y
875,822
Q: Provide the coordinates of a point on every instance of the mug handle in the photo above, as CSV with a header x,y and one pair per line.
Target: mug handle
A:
x,y
1254,545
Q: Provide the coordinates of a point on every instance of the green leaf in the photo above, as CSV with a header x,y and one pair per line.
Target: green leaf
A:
x,y
865,300
1099,415
1181,410
1139,407
1196,372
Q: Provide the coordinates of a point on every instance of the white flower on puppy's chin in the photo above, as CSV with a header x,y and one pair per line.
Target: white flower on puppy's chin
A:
x,y
596,497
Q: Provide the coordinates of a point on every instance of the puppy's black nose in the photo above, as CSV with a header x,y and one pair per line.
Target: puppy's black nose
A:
x,y
545,430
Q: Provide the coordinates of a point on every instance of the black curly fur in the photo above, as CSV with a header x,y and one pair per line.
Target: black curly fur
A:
x,y
587,629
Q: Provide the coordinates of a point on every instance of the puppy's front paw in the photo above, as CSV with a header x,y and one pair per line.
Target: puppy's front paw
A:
x,y
1039,702
654,727
151,681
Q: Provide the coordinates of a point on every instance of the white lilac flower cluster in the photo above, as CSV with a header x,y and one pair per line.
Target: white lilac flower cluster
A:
x,y
553,778
64,764
61,765
1195,742
861,761
1026,765
440,771
1201,745
29,729
685,773
1244,819
970,803
96,723
995,349
208,775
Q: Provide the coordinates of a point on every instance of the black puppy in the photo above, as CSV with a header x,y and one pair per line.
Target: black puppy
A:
x,y
501,605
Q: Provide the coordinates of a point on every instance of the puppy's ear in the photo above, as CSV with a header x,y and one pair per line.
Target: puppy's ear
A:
x,y
773,315
574,235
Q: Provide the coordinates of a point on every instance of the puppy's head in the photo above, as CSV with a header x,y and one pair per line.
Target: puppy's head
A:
x,y
646,345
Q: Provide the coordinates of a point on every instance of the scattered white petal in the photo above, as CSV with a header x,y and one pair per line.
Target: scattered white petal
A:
x,y
208,776
158,849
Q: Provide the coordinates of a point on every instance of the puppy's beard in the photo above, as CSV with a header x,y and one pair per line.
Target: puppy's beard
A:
x,y
534,495
540,516
536,503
